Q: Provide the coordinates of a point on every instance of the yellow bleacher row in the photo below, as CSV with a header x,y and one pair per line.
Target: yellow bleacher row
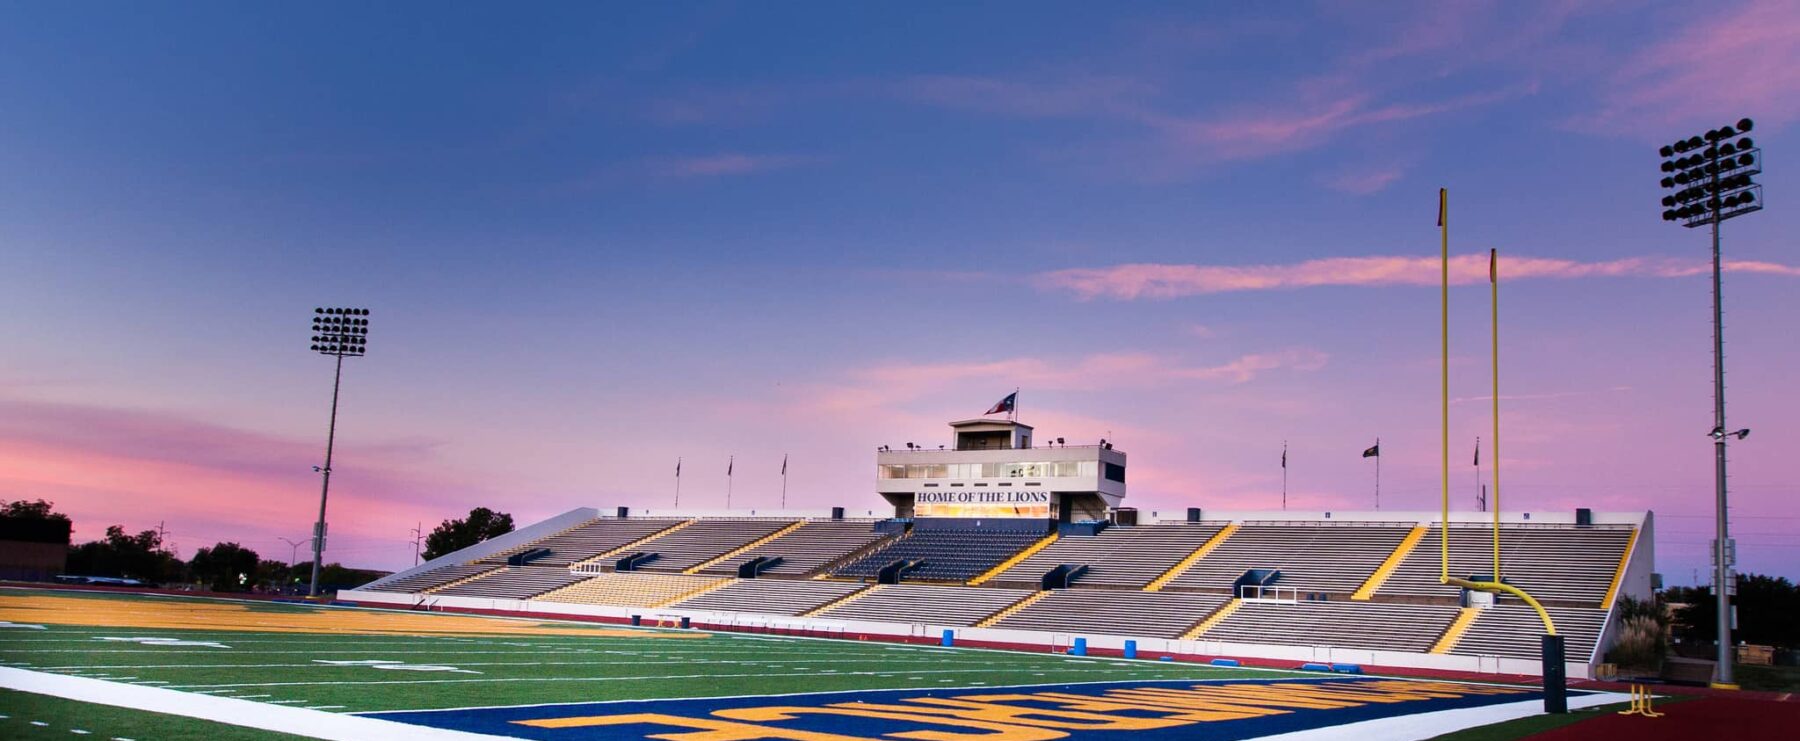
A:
x,y
629,589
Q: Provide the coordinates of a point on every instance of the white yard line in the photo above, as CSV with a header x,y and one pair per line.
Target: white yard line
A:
x,y
655,678
265,716
970,660
1420,726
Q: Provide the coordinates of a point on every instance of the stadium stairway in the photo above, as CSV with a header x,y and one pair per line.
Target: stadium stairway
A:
x,y
752,545
1157,584
1387,567
1009,610
844,600
1209,621
1014,560
597,558
1447,642
1612,590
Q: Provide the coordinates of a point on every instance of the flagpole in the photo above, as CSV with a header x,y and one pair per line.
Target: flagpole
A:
x,y
1378,474
784,481
1284,475
731,463
678,483
1479,500
1014,411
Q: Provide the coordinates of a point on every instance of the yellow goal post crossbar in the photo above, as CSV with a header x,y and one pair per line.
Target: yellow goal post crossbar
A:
x,y
1496,586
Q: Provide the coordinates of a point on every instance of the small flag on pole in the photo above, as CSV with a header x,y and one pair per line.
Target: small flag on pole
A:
x,y
1493,265
677,468
1443,204
1477,451
1004,405
784,464
1374,451
1284,456
730,463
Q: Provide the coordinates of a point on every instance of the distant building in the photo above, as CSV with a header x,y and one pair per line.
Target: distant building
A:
x,y
33,550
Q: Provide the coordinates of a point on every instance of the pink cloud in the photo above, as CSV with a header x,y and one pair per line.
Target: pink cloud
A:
x,y
1724,63
1163,281
209,482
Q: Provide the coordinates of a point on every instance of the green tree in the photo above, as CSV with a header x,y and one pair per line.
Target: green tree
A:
x,y
455,535
1766,606
33,511
140,556
225,567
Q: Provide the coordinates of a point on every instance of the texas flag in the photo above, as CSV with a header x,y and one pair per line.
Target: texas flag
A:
x,y
1004,405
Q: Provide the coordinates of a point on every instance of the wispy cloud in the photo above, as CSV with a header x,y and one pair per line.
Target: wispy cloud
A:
x,y
721,165
1744,58
1164,281
105,465
1363,182
1076,95
892,384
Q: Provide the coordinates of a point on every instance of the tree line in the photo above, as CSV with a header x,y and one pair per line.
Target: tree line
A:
x,y
229,566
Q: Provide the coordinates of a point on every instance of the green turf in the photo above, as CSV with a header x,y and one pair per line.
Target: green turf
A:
x,y
1768,678
289,668
63,719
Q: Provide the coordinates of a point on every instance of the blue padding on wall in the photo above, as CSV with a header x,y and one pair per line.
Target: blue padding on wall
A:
x,y
1215,662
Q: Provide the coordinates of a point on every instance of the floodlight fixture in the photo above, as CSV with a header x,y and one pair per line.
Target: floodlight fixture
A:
x,y
1714,183
338,332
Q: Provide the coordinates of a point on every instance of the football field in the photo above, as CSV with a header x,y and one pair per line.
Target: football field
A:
x,y
122,666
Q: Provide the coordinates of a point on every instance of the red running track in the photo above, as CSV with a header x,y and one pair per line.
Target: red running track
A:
x,y
1736,719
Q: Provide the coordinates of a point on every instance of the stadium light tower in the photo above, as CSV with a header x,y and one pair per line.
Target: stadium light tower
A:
x,y
1710,175
338,333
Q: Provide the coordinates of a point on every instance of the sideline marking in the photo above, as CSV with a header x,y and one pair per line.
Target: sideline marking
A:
x,y
1431,725
264,716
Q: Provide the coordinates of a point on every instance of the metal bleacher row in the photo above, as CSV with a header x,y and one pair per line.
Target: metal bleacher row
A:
x,y
1165,580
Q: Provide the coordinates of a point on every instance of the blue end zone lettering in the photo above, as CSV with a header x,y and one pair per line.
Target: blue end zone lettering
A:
x,y
1162,710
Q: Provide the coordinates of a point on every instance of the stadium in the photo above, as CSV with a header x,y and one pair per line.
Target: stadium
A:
x,y
549,254
1042,608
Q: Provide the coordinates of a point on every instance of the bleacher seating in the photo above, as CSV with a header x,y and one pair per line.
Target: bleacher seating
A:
x,y
630,589
923,603
1115,612
1365,625
948,555
1313,557
434,578
1516,631
514,582
1551,563
1118,556
814,545
770,596
705,540
588,539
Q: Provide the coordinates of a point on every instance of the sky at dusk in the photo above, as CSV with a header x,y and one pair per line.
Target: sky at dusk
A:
x,y
595,238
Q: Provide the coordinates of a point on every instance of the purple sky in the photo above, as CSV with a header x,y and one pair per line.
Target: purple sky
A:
x,y
596,239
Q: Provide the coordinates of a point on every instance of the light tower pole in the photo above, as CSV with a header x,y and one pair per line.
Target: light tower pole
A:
x,y
1711,176
336,332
